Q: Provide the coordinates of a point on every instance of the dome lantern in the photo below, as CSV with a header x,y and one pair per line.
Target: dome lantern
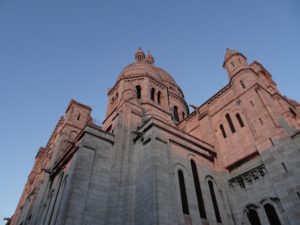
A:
x,y
139,55
149,58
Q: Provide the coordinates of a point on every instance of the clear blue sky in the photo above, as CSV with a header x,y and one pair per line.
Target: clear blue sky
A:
x,y
53,51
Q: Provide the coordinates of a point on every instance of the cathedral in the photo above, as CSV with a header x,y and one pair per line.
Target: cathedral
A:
x,y
234,160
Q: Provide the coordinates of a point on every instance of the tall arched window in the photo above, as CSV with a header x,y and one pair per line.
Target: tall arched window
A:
x,y
184,202
228,118
294,114
214,201
158,97
253,217
175,113
61,193
272,215
53,212
152,94
198,190
239,118
223,131
138,91
242,84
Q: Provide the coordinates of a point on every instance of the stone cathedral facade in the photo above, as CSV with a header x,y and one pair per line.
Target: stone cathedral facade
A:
x,y
234,160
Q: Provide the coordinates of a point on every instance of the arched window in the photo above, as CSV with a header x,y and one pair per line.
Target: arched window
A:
x,y
223,131
242,84
175,113
239,118
61,193
198,190
294,114
228,118
214,200
272,215
152,94
184,202
253,217
158,97
138,91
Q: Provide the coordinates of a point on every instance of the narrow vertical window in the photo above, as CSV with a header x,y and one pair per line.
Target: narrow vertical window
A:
x,y
152,94
261,121
214,200
78,116
175,113
239,118
138,91
228,118
242,84
183,115
294,114
158,97
253,217
223,131
272,215
184,202
198,190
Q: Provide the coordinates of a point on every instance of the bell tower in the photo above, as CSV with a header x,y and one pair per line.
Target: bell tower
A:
x,y
234,62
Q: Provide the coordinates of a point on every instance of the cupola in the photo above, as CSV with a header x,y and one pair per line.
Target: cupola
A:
x,y
139,55
149,58
233,62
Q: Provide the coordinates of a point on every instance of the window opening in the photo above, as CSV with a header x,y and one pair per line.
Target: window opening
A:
x,y
230,123
183,115
152,94
184,202
78,116
223,131
239,118
138,91
261,121
198,190
284,167
294,114
242,84
214,200
253,217
175,113
252,104
158,97
272,215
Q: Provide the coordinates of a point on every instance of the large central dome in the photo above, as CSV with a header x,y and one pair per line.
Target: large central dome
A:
x,y
150,88
143,66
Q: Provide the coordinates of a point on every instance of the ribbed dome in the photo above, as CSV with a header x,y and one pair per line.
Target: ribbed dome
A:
x,y
140,69
166,77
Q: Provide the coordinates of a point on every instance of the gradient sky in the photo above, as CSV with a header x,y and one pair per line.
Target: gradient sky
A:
x,y
53,51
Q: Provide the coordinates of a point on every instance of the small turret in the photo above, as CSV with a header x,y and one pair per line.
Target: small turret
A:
x,y
139,55
234,62
149,58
